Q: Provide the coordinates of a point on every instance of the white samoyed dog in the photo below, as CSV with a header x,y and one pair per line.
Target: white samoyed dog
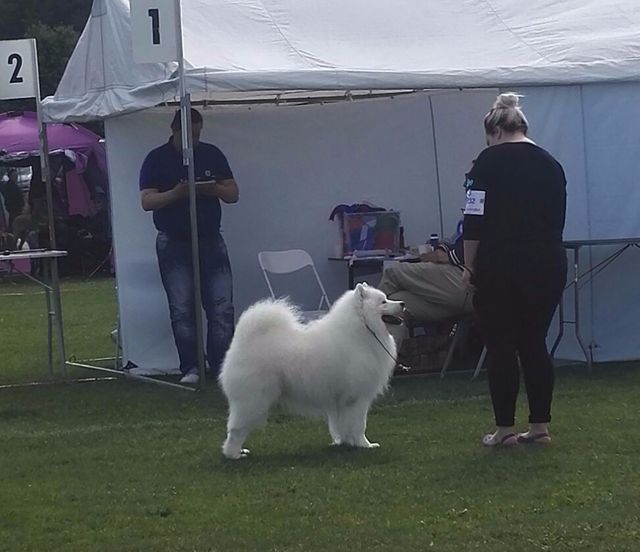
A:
x,y
333,367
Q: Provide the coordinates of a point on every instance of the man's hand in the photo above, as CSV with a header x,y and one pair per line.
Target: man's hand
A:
x,y
181,189
226,190
207,188
438,256
152,198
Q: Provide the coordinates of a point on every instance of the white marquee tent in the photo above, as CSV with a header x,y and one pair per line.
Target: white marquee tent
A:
x,y
262,67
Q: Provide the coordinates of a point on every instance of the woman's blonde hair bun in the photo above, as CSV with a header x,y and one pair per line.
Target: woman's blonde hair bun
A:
x,y
506,115
507,100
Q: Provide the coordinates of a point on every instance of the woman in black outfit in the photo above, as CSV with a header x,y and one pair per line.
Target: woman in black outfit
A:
x,y
517,265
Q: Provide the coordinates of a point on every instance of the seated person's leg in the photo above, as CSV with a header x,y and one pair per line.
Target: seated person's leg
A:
x,y
431,291
416,307
391,280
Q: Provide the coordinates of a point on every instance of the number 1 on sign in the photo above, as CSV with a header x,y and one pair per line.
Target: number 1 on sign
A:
x,y
155,30
154,14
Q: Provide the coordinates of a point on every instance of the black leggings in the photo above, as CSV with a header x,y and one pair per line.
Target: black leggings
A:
x,y
514,314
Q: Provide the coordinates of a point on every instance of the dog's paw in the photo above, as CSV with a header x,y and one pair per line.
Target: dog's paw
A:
x,y
242,453
367,445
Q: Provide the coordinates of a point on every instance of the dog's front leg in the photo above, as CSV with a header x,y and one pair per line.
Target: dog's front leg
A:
x,y
353,423
333,421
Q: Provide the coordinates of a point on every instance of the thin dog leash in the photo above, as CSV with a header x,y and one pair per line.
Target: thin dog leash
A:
x,y
402,366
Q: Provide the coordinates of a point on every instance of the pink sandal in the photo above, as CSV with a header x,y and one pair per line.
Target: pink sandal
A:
x,y
527,438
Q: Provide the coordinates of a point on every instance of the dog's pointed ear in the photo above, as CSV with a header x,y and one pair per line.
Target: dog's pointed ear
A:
x,y
364,284
359,289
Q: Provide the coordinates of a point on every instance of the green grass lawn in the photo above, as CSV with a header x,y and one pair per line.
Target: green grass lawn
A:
x,y
89,313
121,465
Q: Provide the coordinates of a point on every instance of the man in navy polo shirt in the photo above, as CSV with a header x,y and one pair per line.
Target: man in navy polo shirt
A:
x,y
165,191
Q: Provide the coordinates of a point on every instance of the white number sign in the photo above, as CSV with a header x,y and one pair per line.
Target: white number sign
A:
x,y
154,30
18,69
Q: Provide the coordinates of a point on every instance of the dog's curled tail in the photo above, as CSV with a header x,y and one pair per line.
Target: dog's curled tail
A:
x,y
265,316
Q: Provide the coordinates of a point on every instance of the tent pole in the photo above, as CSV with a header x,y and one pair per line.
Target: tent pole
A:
x,y
46,178
437,166
127,375
44,161
187,158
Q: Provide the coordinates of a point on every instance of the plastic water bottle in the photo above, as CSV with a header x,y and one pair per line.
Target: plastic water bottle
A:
x,y
434,241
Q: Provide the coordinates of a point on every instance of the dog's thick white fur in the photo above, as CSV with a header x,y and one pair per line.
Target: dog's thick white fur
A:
x,y
333,367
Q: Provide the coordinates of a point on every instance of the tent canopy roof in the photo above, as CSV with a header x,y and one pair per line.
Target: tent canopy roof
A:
x,y
262,49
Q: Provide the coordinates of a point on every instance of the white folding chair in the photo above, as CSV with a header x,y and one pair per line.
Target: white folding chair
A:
x,y
286,262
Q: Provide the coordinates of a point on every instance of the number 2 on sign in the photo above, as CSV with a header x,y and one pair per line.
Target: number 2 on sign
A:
x,y
15,77
154,14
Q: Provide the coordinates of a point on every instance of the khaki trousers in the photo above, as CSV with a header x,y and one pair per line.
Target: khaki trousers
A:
x,y
431,291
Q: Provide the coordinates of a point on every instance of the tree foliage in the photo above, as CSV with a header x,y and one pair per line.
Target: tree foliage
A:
x,y
18,15
55,45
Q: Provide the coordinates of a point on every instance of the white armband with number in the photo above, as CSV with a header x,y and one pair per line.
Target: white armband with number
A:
x,y
475,203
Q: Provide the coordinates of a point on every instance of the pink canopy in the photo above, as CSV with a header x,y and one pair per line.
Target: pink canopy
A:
x,y
19,141
19,135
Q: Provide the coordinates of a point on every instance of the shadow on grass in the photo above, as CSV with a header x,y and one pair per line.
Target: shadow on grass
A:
x,y
327,456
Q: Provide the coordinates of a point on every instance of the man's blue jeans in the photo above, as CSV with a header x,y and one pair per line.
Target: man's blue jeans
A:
x,y
176,270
